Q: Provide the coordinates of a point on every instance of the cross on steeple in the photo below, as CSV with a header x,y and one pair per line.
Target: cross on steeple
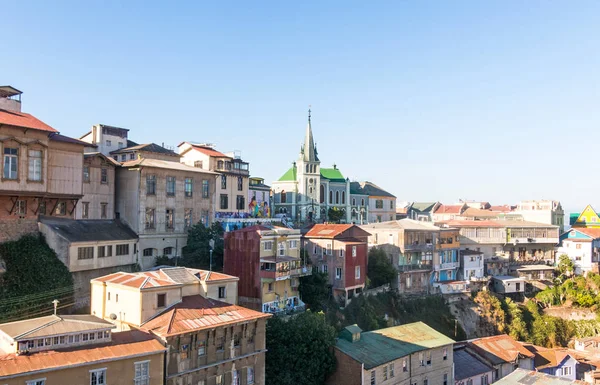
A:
x,y
309,112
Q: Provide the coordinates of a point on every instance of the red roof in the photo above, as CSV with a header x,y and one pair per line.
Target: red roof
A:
x,y
594,233
123,345
209,151
500,348
327,230
449,209
21,119
139,281
503,208
197,313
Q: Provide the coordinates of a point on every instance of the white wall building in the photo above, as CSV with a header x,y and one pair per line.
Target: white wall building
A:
x,y
542,211
582,245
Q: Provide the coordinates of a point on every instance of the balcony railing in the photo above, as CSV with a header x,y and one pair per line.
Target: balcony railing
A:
x,y
301,271
283,274
414,266
449,265
419,247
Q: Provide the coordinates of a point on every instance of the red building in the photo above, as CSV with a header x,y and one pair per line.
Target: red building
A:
x,y
341,252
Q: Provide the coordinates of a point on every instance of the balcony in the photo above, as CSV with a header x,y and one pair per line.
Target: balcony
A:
x,y
282,268
233,167
302,271
414,267
282,307
418,247
446,266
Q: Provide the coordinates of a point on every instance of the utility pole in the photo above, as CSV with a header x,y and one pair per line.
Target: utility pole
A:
x,y
455,327
211,246
55,302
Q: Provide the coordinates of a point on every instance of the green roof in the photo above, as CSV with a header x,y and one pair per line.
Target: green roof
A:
x,y
333,174
381,346
290,175
423,206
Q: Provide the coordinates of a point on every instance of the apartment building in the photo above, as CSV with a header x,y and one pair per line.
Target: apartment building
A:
x,y
502,353
41,170
469,369
471,265
555,362
340,251
542,211
209,341
232,181
448,212
422,211
582,246
98,201
160,200
76,350
268,262
106,139
406,354
259,196
381,205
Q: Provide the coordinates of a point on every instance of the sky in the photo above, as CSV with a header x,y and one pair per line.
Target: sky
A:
x,y
431,100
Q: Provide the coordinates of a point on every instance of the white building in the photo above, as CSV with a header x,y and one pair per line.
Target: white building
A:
x,y
582,245
107,138
506,284
471,264
542,211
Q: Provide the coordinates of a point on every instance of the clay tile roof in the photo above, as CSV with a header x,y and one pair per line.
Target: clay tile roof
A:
x,y
138,281
327,230
123,345
503,208
197,313
500,349
595,233
473,212
209,151
21,119
448,209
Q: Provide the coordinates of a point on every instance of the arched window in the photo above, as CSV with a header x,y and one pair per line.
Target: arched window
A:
x,y
307,168
353,201
310,190
362,202
167,251
283,196
337,197
148,252
343,197
322,194
330,196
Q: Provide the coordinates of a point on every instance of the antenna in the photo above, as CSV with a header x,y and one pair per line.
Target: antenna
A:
x,y
55,302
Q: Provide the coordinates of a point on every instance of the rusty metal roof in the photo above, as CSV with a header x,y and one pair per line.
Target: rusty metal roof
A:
x,y
499,349
53,325
530,377
196,313
138,281
123,345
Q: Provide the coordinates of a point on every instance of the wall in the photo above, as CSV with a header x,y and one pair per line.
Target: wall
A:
x,y
81,281
95,192
150,300
65,168
434,372
211,290
127,306
476,380
347,370
387,213
14,228
103,262
241,259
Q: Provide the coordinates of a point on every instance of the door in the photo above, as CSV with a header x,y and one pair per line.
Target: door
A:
x,y
518,286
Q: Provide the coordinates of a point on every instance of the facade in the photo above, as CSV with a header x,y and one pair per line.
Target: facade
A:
x,y
422,211
469,369
90,249
341,251
259,196
382,204
268,262
588,218
41,170
406,354
533,272
522,376
231,179
555,362
98,201
542,211
448,212
507,284
107,138
160,200
471,265
582,246
502,353
75,350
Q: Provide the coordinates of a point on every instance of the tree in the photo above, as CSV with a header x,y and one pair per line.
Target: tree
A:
x,y
196,254
299,350
314,290
491,310
565,267
335,215
517,326
380,270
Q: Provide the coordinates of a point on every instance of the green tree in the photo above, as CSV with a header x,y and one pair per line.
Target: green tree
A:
x,y
299,350
380,270
314,290
491,310
335,215
196,253
516,324
565,267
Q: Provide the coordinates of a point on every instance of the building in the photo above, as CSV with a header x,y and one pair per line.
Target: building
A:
x,y
508,285
502,353
98,201
533,272
582,246
90,248
542,211
555,362
422,211
530,377
588,218
209,340
341,252
268,262
107,138
406,354
382,204
469,369
41,170
259,196
471,265
146,150
160,200
75,350
232,179
448,212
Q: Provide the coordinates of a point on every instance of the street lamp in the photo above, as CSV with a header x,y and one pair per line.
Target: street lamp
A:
x,y
211,246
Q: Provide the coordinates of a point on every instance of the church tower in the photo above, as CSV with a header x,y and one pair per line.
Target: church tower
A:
x,y
309,177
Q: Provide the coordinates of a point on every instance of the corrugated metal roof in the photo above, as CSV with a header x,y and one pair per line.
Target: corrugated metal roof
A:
x,y
144,280
530,377
89,230
499,349
468,365
53,325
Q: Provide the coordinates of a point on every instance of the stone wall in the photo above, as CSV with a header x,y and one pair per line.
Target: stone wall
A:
x,y
12,229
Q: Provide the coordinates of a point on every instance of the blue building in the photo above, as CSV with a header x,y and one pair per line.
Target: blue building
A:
x,y
556,362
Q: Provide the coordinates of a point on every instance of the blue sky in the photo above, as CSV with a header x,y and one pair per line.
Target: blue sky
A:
x,y
432,100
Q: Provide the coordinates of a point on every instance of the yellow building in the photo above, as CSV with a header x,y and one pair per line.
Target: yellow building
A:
x,y
588,218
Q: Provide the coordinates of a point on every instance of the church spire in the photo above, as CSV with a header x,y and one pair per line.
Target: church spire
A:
x,y
309,153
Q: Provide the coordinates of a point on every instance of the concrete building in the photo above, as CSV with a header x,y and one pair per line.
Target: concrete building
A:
x,y
340,251
533,272
106,138
508,285
268,262
146,150
555,362
160,200
75,350
98,201
209,341
582,246
406,354
522,376
382,204
448,212
502,353
542,211
259,196
471,265
41,170
469,369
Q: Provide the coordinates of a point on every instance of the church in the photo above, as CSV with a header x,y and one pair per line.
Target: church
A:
x,y
306,192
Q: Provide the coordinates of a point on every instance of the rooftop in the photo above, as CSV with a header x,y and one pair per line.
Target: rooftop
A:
x,y
137,281
148,147
533,267
499,349
21,119
332,174
331,230
206,150
369,188
170,165
381,346
8,91
123,344
468,365
423,206
289,175
66,139
591,232
53,325
449,209
164,276
506,278
547,358
89,230
530,377
195,313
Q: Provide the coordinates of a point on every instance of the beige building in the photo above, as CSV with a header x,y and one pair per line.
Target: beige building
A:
x,y
542,211
160,200
76,350
98,201
231,183
107,138
406,354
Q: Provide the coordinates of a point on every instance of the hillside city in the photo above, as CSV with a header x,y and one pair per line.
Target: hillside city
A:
x,y
139,263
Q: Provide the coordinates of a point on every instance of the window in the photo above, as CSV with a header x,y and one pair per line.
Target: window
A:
x,y
341,252
484,379
122,250
151,185
169,219
239,202
425,381
429,358
404,366
11,163
446,379
170,186
578,246
103,210
270,287
92,336
391,370
201,348
84,337
338,273
337,197
385,373
21,208
161,300
223,182
268,245
86,174
325,268
108,143
283,196
148,252
222,293
35,165
240,183
293,244
567,371
168,251
373,377
85,209
142,373
132,156
224,204
219,379
330,196
357,272
220,344
187,218
205,193
85,253
41,381
104,251
98,377
379,204
421,358
55,340
250,375
61,208
354,251
445,355
281,249
198,164
189,187
104,175
150,218
329,249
